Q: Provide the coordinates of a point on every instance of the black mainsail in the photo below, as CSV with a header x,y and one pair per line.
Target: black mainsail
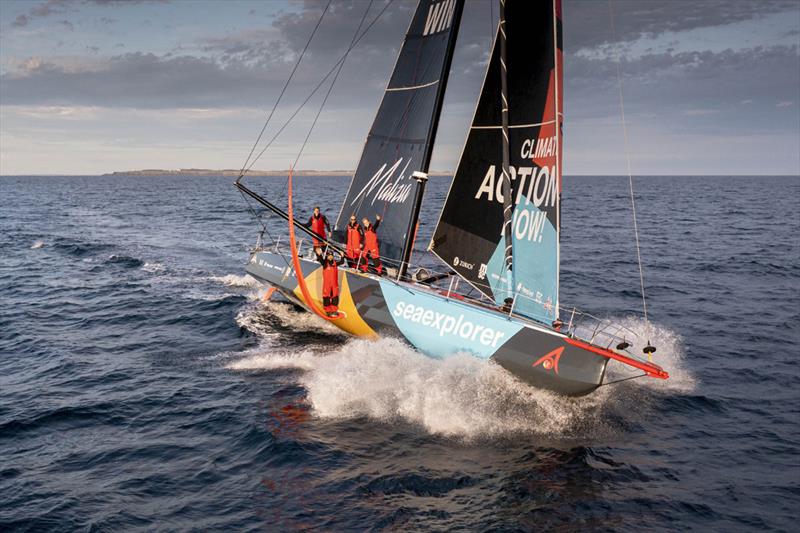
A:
x,y
400,141
469,236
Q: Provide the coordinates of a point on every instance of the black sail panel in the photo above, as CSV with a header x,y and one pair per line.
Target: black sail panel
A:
x,y
401,138
469,234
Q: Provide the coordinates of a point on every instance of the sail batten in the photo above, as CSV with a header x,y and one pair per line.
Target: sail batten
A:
x,y
505,196
401,138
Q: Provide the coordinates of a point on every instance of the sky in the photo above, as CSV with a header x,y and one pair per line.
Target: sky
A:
x,y
95,86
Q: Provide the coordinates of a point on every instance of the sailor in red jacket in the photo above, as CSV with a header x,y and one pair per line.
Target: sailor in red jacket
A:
x,y
318,223
371,250
330,281
355,241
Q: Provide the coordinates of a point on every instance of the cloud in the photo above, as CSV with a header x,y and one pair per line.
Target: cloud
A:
x,y
21,21
634,19
703,79
245,68
54,7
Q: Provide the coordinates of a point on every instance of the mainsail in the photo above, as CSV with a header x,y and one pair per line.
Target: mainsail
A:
x,y
469,236
401,138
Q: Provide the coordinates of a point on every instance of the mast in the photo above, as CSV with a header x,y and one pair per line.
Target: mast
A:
x,y
422,178
411,233
558,76
508,203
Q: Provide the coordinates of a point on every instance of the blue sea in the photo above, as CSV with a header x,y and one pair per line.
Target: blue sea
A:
x,y
145,384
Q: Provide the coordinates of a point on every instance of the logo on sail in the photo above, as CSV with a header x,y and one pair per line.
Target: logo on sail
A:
x,y
440,16
387,189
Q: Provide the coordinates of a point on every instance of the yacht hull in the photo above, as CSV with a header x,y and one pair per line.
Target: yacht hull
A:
x,y
441,326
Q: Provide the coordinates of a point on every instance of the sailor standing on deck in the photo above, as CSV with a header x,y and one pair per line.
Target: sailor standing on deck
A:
x,y
355,241
371,250
330,281
318,223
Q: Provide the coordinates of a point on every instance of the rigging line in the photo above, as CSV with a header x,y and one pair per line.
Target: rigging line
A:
x,y
261,222
628,162
314,91
330,88
285,86
637,376
492,28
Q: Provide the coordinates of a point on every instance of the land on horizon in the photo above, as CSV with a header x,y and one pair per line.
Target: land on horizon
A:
x,y
233,173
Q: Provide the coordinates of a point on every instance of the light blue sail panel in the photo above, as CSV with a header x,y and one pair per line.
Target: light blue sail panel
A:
x,y
535,252
533,284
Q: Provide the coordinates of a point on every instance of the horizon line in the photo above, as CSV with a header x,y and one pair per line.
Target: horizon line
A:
x,y
338,173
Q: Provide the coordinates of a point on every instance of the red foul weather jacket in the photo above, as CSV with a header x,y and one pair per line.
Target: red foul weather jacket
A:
x,y
318,225
371,239
330,277
355,237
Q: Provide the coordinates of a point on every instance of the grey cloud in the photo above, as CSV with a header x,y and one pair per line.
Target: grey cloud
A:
x,y
150,81
249,67
21,21
740,87
50,7
637,18
53,7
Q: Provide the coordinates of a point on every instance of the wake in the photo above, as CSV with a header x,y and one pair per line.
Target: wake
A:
x,y
461,396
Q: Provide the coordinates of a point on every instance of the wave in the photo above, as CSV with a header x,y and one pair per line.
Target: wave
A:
x,y
153,267
670,355
80,249
461,396
262,317
232,280
125,261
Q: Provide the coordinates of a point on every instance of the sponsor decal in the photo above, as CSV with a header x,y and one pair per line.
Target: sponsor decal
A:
x,y
549,361
385,187
463,264
440,16
482,271
446,324
441,327
537,186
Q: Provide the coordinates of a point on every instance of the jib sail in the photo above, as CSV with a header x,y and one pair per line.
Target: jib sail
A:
x,y
469,236
400,141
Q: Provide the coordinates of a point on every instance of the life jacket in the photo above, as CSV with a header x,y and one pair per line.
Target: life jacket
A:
x,y
353,240
371,241
318,225
330,279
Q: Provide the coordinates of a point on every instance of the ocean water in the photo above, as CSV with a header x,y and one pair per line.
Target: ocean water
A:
x,y
145,384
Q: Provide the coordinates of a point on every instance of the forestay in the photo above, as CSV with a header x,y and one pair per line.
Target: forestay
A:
x,y
401,138
469,236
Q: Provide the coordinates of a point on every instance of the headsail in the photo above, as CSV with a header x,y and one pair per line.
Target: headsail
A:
x,y
469,234
401,138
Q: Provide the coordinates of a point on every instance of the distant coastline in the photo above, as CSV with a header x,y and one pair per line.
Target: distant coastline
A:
x,y
233,173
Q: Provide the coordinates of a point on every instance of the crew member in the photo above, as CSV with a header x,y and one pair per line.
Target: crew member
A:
x,y
355,241
371,250
330,281
318,223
